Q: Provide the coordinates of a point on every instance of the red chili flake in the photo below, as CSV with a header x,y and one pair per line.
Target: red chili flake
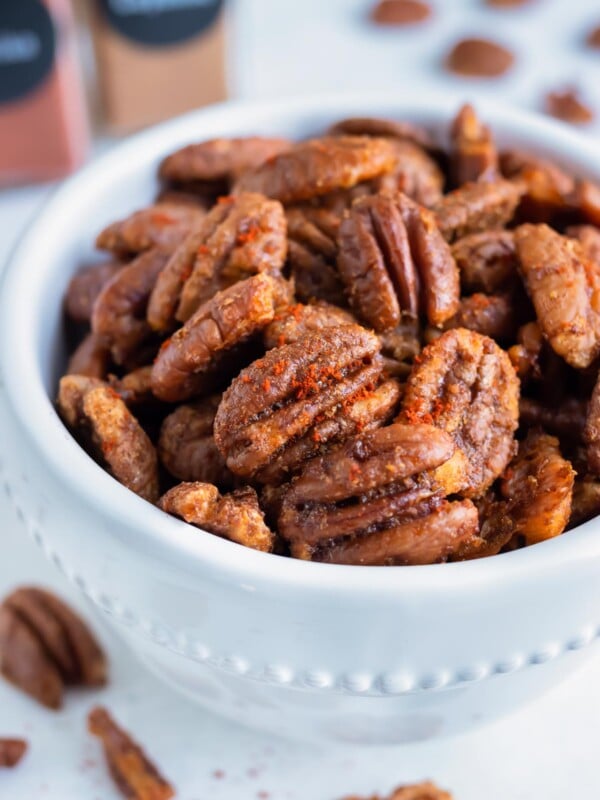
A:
x,y
316,436
203,250
245,378
266,385
249,235
161,218
226,199
354,473
281,340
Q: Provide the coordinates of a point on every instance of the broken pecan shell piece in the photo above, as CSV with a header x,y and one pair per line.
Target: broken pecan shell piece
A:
x,y
12,751
134,774
465,384
235,516
475,207
319,166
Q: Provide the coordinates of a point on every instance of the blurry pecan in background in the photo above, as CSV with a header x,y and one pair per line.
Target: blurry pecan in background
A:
x,y
479,58
12,751
400,12
567,105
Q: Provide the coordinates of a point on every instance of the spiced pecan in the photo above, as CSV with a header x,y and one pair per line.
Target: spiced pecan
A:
x,y
162,225
564,287
475,207
312,253
491,315
385,128
465,384
487,261
281,398
186,446
585,199
415,174
85,286
496,527
592,430
525,356
473,154
196,351
219,159
12,751
319,166
91,358
400,12
293,322
97,414
548,189
134,774
241,236
370,501
236,516
568,106
588,237
400,346
44,645
119,314
134,387
538,486
567,419
585,503
392,258
479,58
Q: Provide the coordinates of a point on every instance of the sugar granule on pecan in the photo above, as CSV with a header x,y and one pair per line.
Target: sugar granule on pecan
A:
x,y
235,516
465,384
12,751
479,58
392,258
319,166
134,774
162,225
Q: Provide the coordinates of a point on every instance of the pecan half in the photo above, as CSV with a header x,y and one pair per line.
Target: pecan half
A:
x,y
45,645
12,751
538,485
565,289
319,166
487,261
100,418
475,207
241,236
280,398
119,314
385,128
186,445
371,500
293,322
85,286
220,159
392,258
473,153
91,358
465,384
136,777
196,350
236,516
162,225
312,253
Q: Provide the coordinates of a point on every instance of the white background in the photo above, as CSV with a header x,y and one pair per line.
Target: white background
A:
x,y
548,750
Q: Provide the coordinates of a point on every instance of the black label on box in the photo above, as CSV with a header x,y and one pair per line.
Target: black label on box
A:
x,y
27,46
159,23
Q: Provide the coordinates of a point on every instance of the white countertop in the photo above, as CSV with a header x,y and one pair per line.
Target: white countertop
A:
x,y
548,750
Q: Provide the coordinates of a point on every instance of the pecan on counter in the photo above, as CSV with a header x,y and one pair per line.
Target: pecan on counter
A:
x,y
465,384
564,286
236,516
319,166
475,207
373,499
99,417
479,58
473,154
12,751
538,486
162,225
298,396
219,160
134,774
240,237
85,286
487,261
392,258
44,646
187,360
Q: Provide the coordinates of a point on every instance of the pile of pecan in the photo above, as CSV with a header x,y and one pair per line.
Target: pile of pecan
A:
x,y
360,348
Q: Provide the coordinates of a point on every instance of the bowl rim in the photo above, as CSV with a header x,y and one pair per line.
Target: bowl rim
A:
x,y
169,539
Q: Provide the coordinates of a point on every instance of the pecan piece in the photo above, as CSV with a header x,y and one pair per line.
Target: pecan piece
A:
x,y
319,166
490,315
370,501
12,751
473,153
293,322
196,350
475,207
236,516
186,445
487,261
312,253
85,286
119,315
568,106
415,174
564,287
241,236
464,383
280,398
135,387
135,776
384,128
393,259
113,435
538,485
162,225
91,358
220,159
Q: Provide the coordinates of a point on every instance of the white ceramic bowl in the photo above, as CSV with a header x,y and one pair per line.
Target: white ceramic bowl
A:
x,y
334,653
